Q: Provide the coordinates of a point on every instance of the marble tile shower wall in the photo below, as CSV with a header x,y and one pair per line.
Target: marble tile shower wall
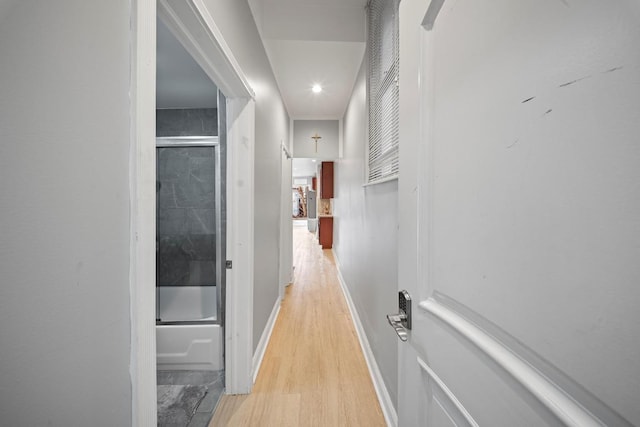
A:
x,y
187,122
186,216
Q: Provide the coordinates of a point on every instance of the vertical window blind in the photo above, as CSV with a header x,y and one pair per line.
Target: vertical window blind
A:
x,y
382,90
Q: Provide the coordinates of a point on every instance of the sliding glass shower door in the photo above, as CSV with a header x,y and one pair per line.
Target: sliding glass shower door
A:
x,y
188,238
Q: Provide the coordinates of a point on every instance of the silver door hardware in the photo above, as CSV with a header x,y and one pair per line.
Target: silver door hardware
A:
x,y
401,322
228,264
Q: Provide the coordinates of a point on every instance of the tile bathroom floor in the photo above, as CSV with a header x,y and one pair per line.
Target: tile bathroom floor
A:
x,y
214,380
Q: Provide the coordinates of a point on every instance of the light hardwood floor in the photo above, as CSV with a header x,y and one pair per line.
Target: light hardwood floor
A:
x,y
313,372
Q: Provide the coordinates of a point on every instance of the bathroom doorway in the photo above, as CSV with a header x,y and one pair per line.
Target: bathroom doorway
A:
x,y
190,236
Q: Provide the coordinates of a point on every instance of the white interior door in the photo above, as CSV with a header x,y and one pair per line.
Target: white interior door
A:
x,y
526,191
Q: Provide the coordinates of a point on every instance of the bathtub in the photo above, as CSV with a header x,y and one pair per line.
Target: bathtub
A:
x,y
188,337
189,347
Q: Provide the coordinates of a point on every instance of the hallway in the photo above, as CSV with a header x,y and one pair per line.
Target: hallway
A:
x,y
313,372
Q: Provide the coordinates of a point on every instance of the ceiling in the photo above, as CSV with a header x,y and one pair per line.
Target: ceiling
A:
x,y
313,42
307,42
180,81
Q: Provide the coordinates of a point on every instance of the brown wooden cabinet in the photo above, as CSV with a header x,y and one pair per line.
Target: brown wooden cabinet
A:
x,y
325,231
326,181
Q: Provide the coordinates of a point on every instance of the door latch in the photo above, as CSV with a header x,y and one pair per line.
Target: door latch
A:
x,y
401,322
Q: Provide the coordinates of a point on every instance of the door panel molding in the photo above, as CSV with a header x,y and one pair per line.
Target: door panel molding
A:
x,y
569,403
446,399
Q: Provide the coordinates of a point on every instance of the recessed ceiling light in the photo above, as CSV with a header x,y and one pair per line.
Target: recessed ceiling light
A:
x,y
316,88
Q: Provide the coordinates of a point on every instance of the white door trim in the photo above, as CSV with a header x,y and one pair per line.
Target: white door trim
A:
x,y
194,27
142,177
285,273
240,215
192,24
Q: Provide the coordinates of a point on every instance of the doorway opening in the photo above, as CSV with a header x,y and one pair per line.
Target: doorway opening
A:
x,y
190,23
304,209
190,237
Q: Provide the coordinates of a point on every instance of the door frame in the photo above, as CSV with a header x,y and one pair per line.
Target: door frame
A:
x,y
286,229
193,25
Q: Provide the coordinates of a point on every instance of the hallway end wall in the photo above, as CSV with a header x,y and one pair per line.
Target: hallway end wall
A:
x,y
235,22
365,238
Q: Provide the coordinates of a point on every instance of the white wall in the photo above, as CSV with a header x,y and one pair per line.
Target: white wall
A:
x,y
304,146
64,213
238,28
302,181
365,238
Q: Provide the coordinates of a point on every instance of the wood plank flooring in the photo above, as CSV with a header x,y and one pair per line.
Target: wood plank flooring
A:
x,y
313,372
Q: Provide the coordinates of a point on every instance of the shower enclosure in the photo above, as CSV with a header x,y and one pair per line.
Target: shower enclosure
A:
x,y
189,249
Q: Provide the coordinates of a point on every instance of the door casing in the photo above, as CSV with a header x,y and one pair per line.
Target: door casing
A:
x,y
194,27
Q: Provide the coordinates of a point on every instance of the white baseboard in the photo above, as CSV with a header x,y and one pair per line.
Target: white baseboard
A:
x,y
388,410
264,340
